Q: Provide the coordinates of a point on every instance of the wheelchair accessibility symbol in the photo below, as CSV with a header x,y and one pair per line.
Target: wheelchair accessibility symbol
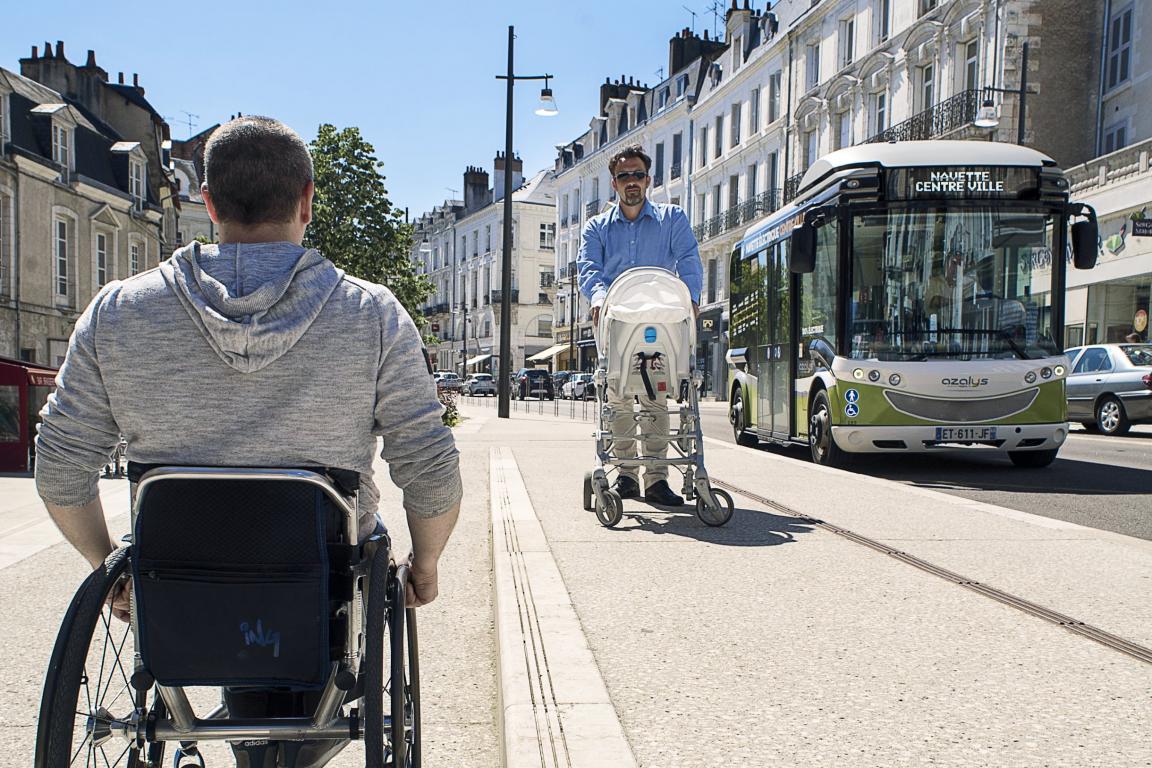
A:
x,y
851,410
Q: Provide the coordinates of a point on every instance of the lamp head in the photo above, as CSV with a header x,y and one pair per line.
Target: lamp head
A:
x,y
986,117
547,106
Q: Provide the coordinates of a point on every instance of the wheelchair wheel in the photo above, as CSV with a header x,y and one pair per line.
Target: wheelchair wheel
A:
x,y
610,517
392,738
88,697
588,491
715,516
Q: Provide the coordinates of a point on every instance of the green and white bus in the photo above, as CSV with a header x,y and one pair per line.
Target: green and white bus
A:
x,y
908,300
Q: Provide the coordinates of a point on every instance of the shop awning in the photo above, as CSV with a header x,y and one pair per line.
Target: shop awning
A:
x,y
548,354
478,359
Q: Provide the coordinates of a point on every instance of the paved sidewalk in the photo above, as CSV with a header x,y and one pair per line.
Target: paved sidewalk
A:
x,y
773,642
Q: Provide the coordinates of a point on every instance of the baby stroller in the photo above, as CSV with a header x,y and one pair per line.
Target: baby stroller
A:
x,y
645,342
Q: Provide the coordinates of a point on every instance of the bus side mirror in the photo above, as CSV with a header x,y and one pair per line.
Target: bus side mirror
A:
x,y
1084,239
802,250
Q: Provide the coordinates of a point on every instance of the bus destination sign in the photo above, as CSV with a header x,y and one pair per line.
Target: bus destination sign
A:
x,y
970,183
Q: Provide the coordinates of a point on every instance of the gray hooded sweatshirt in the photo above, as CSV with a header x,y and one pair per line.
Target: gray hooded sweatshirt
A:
x,y
259,355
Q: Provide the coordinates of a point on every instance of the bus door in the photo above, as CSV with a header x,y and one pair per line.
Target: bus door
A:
x,y
774,344
780,333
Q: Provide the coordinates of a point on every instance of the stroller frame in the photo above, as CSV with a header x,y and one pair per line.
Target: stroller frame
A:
x,y
647,317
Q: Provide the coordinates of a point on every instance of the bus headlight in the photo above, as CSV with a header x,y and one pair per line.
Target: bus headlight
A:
x,y
858,374
894,379
1045,372
1058,370
873,375
1030,377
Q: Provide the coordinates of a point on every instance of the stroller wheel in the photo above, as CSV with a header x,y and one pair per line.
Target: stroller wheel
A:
x,y
611,516
718,515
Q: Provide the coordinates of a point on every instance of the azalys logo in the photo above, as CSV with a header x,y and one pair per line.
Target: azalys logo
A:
x,y
966,383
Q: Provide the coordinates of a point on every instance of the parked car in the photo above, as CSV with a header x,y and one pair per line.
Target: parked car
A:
x,y
559,378
448,381
534,382
581,386
1110,386
480,384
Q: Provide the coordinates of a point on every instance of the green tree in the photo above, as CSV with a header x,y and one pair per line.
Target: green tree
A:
x,y
355,225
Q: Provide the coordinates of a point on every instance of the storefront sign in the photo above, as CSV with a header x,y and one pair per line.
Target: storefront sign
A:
x,y
1142,228
1140,321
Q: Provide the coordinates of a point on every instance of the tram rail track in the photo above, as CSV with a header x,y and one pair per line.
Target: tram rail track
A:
x,y
1075,626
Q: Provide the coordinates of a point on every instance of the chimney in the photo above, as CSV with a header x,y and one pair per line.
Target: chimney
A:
x,y
59,49
47,49
35,52
120,78
91,59
476,193
498,167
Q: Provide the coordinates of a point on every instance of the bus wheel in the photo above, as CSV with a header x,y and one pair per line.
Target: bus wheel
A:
x,y
824,449
736,416
1033,459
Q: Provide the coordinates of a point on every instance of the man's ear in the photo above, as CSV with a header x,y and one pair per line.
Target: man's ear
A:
x,y
209,204
306,202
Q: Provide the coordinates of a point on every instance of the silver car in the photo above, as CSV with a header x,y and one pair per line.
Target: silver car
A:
x,y
480,384
1110,387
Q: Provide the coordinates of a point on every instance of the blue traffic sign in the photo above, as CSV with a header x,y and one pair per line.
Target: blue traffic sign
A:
x,y
852,410
852,395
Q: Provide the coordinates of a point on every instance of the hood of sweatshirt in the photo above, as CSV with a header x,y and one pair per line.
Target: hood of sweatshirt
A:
x,y
251,301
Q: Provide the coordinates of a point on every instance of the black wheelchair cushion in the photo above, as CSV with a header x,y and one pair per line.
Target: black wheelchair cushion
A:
x,y
232,581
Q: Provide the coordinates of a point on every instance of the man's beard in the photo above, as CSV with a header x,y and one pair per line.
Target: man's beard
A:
x,y
634,196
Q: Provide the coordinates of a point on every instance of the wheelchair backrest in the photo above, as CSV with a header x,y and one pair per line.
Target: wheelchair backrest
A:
x,y
233,575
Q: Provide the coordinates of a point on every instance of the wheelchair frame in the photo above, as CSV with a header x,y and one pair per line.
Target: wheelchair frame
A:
x,y
377,590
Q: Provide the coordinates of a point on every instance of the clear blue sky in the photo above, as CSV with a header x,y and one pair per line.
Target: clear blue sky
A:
x,y
417,77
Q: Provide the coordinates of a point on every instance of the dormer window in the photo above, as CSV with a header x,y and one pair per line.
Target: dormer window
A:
x,y
62,144
136,184
3,120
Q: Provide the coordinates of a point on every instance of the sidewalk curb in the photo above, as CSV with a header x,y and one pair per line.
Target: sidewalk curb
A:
x,y
554,707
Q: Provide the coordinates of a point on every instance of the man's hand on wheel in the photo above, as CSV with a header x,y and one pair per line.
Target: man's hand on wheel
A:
x,y
422,584
120,599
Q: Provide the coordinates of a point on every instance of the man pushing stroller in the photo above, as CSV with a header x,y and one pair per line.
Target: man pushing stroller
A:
x,y
637,233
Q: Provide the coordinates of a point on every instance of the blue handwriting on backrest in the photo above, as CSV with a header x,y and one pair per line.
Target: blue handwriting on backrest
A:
x,y
260,637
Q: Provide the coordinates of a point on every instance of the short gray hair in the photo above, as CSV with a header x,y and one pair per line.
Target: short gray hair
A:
x,y
256,169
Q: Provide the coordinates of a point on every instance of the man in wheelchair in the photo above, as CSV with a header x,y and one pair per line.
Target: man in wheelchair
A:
x,y
254,353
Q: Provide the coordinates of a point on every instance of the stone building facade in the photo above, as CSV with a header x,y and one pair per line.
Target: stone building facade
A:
x,y
459,246
85,196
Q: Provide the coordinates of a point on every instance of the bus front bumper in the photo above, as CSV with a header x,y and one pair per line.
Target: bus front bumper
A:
x,y
919,439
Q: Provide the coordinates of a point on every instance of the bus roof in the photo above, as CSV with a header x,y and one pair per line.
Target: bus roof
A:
x,y
914,154
904,154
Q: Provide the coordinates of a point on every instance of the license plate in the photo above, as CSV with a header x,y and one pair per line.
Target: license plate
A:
x,y
952,434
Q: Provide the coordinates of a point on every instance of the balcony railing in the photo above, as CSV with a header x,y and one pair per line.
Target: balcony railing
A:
x,y
1112,168
592,208
791,187
674,171
944,118
498,296
740,214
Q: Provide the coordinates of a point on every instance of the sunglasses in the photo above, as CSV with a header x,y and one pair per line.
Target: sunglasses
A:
x,y
637,175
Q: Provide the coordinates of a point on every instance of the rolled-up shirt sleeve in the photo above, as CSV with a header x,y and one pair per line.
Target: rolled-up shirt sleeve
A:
x,y
77,432
419,449
686,254
590,263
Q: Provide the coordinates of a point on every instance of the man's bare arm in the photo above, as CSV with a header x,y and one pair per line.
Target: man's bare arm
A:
x,y
85,529
429,537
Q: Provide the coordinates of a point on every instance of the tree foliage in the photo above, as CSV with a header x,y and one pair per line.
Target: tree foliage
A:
x,y
354,224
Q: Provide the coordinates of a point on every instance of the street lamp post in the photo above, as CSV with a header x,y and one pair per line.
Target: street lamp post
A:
x,y
547,108
986,118
571,318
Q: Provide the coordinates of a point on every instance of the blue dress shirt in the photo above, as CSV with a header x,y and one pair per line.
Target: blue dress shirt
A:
x,y
659,237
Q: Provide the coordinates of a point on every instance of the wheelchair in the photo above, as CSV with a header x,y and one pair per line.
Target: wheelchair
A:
x,y
248,580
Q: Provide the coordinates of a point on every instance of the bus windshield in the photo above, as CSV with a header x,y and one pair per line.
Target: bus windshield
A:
x,y
957,283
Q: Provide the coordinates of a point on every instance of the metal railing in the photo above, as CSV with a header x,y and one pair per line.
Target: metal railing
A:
x,y
937,121
674,171
498,296
737,215
592,208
